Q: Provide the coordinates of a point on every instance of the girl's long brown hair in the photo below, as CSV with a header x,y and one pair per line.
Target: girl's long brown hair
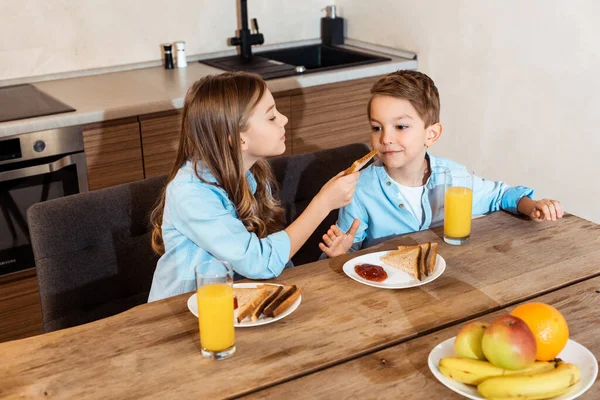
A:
x,y
216,110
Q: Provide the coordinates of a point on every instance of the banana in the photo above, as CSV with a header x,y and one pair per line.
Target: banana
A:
x,y
531,386
473,372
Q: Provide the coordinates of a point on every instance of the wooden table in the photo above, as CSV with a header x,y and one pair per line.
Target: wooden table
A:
x,y
402,372
153,350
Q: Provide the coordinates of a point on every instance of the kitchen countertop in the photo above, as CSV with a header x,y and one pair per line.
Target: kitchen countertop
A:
x,y
134,92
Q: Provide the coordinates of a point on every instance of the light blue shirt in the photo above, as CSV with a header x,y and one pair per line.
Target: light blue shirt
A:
x,y
200,223
383,212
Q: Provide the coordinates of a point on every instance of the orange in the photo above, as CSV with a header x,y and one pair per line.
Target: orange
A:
x,y
548,326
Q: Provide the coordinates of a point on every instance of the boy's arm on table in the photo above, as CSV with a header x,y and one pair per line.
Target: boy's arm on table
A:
x,y
541,210
490,196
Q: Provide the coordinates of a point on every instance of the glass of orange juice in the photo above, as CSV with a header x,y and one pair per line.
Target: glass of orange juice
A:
x,y
458,206
214,285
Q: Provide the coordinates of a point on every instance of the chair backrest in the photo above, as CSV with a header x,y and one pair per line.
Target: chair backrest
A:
x,y
92,252
300,178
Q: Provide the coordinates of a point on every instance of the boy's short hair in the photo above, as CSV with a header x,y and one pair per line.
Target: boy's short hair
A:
x,y
414,86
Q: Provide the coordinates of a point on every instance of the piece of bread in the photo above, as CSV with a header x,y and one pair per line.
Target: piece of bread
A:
x,y
287,302
432,257
248,299
286,292
361,162
425,248
405,259
274,290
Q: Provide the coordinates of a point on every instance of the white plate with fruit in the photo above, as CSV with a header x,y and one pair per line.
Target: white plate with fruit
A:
x,y
501,360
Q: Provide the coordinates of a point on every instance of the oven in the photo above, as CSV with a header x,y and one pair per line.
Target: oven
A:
x,y
35,167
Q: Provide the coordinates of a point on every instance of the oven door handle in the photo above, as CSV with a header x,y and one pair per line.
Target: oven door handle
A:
x,y
37,169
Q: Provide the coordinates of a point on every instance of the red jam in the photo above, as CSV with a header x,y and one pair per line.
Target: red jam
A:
x,y
371,272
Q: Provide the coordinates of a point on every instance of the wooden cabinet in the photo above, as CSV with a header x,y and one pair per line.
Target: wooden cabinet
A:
x,y
160,138
113,152
20,310
331,115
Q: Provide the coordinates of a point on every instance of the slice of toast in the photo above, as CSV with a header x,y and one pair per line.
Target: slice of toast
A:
x,y
406,260
274,290
248,299
286,292
432,257
425,247
287,302
361,162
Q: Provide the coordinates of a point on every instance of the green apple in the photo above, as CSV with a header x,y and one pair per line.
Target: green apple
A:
x,y
468,341
509,343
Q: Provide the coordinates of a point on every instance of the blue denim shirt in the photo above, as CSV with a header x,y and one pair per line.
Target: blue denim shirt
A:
x,y
200,223
380,207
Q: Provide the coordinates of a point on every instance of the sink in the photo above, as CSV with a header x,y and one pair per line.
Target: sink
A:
x,y
320,57
295,61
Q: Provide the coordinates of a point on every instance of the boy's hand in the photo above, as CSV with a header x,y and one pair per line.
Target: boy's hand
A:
x,y
546,210
338,242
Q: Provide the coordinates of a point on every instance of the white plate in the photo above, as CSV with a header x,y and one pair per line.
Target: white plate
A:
x,y
573,353
396,279
192,304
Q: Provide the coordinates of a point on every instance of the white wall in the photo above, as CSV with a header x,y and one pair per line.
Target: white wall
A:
x,y
519,85
39,37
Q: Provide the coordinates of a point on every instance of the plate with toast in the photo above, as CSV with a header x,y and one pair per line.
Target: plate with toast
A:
x,y
404,267
259,303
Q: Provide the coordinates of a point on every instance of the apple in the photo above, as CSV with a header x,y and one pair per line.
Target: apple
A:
x,y
509,343
468,341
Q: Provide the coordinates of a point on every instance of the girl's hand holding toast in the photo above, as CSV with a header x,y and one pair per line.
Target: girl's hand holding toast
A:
x,y
336,242
338,192
541,210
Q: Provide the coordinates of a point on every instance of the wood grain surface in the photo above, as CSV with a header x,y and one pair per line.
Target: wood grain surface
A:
x,y
20,309
402,371
333,117
160,138
153,349
113,152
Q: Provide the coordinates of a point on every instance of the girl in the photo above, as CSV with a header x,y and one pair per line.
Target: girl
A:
x,y
218,202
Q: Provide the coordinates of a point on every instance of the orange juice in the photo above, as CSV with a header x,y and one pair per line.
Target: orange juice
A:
x,y
457,212
215,316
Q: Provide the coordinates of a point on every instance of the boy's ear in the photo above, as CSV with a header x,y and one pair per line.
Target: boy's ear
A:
x,y
434,131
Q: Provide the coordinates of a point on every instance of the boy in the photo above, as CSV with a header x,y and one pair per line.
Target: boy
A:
x,y
397,194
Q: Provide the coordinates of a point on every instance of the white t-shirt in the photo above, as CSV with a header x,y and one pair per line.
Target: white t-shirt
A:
x,y
413,196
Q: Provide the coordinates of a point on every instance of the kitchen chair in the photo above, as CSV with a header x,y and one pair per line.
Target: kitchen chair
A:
x,y
92,252
300,178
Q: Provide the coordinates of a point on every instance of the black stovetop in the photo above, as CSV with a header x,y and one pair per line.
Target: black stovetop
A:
x,y
26,101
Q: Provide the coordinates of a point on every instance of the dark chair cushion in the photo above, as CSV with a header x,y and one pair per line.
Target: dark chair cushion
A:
x,y
92,252
300,178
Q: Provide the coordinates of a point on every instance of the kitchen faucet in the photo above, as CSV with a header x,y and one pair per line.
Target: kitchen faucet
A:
x,y
246,39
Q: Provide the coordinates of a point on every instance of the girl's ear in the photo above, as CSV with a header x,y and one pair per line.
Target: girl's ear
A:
x,y
243,142
434,131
